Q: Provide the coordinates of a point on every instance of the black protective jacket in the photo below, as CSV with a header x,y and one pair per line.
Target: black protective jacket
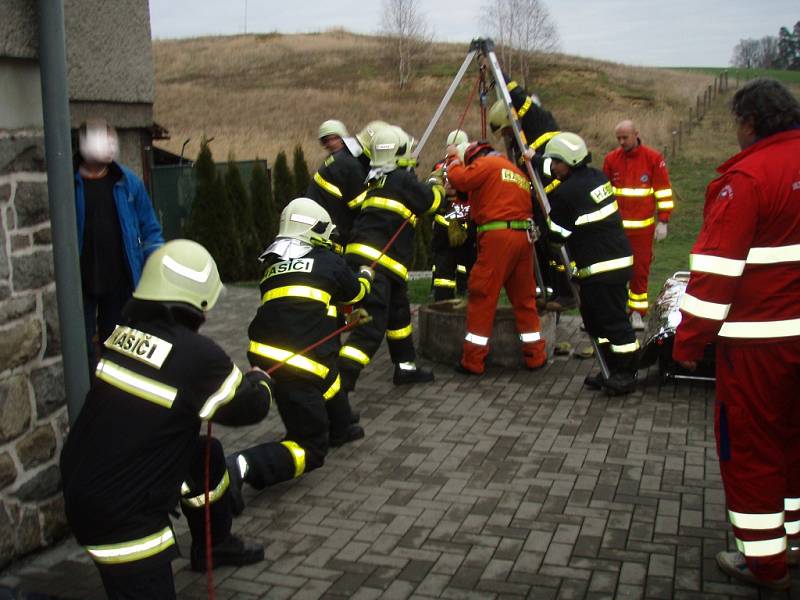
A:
x,y
131,447
335,186
298,308
390,200
584,215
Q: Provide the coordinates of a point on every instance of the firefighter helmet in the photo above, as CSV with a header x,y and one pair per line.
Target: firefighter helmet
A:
x,y
385,149
306,221
180,271
456,137
569,148
365,136
498,116
406,144
332,127
475,150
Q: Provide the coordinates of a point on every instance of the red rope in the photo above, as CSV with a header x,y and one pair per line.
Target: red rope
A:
x,y
469,102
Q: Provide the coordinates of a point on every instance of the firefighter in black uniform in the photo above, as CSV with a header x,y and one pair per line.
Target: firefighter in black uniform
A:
x,y
394,195
303,283
453,239
337,184
135,449
585,216
538,126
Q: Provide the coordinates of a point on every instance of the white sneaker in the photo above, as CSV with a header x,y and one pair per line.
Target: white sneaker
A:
x,y
735,565
636,321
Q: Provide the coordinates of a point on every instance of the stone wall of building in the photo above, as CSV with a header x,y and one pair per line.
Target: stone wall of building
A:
x,y
33,417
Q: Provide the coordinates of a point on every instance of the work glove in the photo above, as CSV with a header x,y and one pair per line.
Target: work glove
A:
x,y
661,231
260,377
359,316
367,273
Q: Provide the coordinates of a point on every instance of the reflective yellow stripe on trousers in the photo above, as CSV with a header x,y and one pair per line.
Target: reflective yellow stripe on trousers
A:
x,y
374,254
290,358
132,550
213,495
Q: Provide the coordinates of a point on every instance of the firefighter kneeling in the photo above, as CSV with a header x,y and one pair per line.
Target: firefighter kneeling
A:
x,y
303,282
586,217
135,449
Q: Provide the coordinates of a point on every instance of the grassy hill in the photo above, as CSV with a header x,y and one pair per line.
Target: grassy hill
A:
x,y
258,94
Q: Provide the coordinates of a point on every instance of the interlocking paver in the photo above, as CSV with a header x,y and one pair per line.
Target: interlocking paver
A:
x,y
511,485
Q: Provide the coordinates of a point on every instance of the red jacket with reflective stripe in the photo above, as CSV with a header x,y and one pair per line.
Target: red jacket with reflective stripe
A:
x,y
745,283
641,183
499,191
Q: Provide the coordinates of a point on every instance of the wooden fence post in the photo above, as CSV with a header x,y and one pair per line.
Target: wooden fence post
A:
x,y
697,111
689,123
680,135
674,141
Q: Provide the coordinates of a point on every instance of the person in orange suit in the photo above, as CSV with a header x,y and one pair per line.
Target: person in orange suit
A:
x,y
500,202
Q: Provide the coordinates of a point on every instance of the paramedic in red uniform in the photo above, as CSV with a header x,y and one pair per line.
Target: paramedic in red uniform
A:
x,y
641,183
500,205
744,295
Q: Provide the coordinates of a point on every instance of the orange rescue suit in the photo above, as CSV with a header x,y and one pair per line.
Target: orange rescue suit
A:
x,y
500,206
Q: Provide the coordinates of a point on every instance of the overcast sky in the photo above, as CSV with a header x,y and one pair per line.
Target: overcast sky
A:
x,y
638,32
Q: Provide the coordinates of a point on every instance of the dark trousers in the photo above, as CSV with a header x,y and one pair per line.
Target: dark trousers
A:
x,y
153,584
388,306
303,449
152,577
604,313
101,314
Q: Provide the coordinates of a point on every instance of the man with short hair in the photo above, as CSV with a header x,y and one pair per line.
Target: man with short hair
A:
x,y
641,184
339,181
744,295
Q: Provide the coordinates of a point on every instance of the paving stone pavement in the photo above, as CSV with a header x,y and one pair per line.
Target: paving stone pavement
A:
x,y
512,485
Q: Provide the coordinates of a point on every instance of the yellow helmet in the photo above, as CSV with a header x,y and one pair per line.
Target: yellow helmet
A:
x,y
386,148
567,147
498,116
332,127
305,220
457,137
365,136
180,271
406,144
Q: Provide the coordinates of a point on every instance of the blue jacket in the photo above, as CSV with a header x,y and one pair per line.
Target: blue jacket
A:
x,y
141,231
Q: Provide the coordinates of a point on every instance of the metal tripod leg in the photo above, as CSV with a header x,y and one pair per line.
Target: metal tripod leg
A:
x,y
487,48
443,104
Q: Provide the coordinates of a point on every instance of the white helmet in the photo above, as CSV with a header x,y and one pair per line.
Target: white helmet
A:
x,y
306,221
365,136
456,137
406,144
332,127
569,148
385,149
180,271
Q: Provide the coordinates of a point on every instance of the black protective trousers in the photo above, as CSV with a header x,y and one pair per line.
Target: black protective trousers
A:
x,y
389,308
152,578
304,413
605,315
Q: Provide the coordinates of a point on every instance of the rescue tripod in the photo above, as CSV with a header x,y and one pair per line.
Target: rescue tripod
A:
x,y
485,48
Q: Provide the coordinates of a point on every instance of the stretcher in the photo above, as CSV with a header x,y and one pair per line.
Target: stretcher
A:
x,y
660,335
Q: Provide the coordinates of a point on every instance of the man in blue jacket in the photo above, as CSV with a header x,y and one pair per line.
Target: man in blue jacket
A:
x,y
117,230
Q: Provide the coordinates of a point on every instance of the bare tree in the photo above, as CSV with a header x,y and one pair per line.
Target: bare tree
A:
x,y
757,54
407,34
520,28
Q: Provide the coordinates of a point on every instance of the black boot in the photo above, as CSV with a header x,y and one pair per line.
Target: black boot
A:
x,y
233,550
413,375
235,485
351,434
594,381
620,383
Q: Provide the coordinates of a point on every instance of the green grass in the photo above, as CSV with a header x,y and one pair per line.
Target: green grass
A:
x,y
790,77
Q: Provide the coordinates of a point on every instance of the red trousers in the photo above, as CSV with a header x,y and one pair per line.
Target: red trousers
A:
x,y
642,244
757,425
505,259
